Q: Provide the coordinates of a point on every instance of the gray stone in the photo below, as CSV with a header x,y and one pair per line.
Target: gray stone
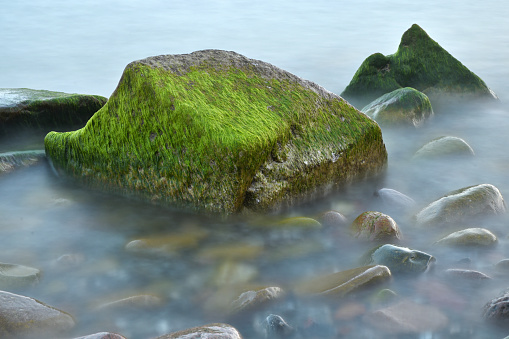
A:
x,y
469,237
400,259
212,331
102,335
395,200
404,106
497,310
251,300
332,219
18,276
444,146
22,316
11,160
462,204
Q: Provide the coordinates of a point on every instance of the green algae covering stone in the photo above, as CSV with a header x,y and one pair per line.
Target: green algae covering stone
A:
x,y
215,131
420,63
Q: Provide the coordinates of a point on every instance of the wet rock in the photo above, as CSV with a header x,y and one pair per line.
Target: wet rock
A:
x,y
185,148
22,108
332,219
497,310
12,160
502,266
298,223
384,296
133,303
252,300
342,283
444,146
407,317
462,204
212,331
469,237
231,272
375,226
394,200
276,327
472,275
421,63
102,335
400,259
21,316
69,260
403,106
18,276
167,245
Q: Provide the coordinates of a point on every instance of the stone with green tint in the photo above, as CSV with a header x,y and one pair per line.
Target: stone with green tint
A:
x,y
469,237
215,131
404,106
420,63
463,204
18,276
22,108
444,146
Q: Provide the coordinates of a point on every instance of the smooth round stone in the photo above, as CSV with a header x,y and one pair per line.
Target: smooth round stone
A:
x,y
466,274
167,245
462,204
345,282
18,276
407,317
299,223
332,219
444,146
212,331
469,237
395,200
22,317
137,302
502,266
400,259
251,300
276,327
375,226
102,335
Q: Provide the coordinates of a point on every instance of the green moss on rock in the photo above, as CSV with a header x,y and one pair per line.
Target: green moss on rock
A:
x,y
22,108
216,131
420,63
404,106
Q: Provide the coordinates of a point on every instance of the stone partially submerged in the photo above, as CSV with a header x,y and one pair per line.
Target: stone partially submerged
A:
x,y
420,63
216,131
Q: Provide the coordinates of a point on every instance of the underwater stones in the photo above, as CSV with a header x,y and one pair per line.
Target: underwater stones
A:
x,y
395,200
18,276
274,326
343,283
462,204
332,219
403,106
469,237
140,302
102,335
252,300
400,259
497,310
22,316
407,317
45,110
167,245
420,63
444,146
471,275
375,226
297,223
211,331
218,132
11,160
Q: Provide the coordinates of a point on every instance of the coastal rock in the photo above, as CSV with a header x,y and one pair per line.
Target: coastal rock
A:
x,y
375,226
22,316
215,131
11,160
22,108
497,310
404,106
342,283
395,200
212,331
333,219
275,326
400,259
420,63
133,303
462,204
18,276
469,237
444,146
252,300
469,275
102,335
407,317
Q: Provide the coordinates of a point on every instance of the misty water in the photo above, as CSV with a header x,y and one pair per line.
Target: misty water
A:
x,y
78,237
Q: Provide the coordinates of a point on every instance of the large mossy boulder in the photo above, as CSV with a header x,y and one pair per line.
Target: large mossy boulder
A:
x,y
404,106
420,63
216,131
23,108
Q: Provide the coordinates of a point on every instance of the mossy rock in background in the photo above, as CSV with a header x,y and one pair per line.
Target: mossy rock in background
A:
x,y
404,106
216,131
420,63
22,108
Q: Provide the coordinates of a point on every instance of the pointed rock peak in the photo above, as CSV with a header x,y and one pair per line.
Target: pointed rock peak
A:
x,y
413,35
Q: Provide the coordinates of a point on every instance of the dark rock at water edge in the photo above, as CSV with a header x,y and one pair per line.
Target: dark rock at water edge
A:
x,y
420,63
497,310
404,106
216,131
22,108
